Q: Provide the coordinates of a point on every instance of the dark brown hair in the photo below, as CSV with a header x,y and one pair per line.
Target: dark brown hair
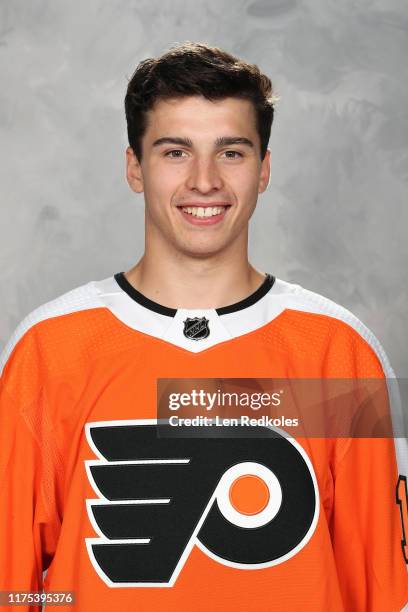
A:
x,y
189,69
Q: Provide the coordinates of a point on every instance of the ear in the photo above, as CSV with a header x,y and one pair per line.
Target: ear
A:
x,y
134,173
265,172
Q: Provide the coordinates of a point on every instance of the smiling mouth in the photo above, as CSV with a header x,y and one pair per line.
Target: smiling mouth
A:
x,y
204,212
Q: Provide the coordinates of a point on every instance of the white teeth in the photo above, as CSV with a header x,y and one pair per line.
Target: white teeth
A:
x,y
208,211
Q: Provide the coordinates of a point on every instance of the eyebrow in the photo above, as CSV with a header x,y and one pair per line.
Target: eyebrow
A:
x,y
223,141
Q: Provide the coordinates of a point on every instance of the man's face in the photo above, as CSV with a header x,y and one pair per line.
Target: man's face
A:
x,y
202,156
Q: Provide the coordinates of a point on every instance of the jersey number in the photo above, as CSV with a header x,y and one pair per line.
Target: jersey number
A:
x,y
402,500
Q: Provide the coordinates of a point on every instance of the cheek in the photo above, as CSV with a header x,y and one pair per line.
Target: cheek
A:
x,y
160,185
244,182
172,180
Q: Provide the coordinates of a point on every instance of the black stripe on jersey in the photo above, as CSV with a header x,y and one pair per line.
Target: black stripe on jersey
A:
x,y
133,293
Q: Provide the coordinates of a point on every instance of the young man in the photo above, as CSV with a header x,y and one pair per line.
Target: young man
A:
x,y
130,520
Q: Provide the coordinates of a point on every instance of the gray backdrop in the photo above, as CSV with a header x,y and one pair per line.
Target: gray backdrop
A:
x,y
335,216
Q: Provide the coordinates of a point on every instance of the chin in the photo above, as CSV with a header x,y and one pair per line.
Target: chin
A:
x,y
200,252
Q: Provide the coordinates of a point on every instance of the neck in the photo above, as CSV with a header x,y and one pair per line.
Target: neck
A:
x,y
195,282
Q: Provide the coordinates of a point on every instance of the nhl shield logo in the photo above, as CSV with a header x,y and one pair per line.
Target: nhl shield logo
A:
x,y
196,328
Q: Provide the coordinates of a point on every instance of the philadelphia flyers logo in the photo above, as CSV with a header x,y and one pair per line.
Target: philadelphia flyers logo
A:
x,y
246,501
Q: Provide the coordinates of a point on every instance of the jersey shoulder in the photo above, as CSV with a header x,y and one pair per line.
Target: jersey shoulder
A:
x,y
56,324
314,315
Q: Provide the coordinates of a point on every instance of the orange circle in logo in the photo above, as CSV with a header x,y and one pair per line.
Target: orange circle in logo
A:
x,y
249,494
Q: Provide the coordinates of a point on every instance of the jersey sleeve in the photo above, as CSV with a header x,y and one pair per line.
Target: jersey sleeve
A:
x,y
368,525
367,530
29,521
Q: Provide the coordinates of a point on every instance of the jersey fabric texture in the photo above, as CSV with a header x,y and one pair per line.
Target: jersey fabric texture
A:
x,y
129,521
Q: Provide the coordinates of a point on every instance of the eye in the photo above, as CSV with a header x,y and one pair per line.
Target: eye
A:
x,y
175,154
233,154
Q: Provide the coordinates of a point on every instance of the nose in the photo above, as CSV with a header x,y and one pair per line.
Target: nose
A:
x,y
204,176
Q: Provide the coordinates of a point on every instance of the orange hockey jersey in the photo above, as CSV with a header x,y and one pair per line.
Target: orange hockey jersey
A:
x,y
130,521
